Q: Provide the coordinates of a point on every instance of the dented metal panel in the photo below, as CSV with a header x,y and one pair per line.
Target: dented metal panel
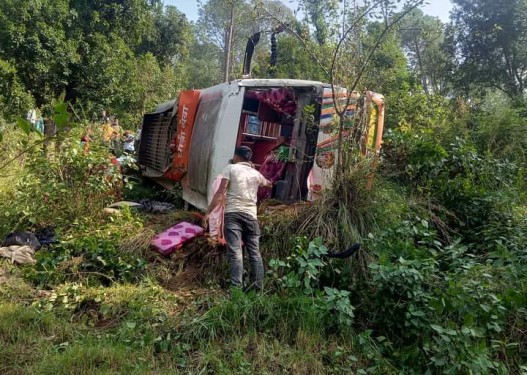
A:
x,y
202,140
213,140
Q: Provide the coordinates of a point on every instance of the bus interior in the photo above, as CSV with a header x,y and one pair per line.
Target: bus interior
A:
x,y
270,120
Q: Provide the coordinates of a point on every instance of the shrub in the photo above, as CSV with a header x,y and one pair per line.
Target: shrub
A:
x,y
474,188
441,308
302,273
57,189
91,254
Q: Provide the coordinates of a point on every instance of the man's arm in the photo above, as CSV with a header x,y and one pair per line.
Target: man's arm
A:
x,y
266,183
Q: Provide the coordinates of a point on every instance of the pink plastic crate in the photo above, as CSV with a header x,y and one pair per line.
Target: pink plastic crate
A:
x,y
175,237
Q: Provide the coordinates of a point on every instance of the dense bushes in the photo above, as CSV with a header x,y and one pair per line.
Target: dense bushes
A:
x,y
54,183
443,307
474,187
448,285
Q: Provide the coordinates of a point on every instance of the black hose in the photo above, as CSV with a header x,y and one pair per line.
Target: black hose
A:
x,y
346,253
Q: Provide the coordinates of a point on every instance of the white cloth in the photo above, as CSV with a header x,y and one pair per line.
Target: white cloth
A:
x,y
32,116
128,144
126,160
242,192
18,254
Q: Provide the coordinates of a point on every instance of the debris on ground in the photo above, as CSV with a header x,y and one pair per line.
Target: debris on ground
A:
x,y
46,236
156,207
144,205
19,254
21,239
115,208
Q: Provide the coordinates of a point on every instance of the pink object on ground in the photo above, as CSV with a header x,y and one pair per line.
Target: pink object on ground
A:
x,y
175,237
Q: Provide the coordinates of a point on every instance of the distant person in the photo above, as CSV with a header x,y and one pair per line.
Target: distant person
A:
x,y
239,185
128,142
115,138
85,140
117,130
104,118
137,139
32,116
107,132
39,125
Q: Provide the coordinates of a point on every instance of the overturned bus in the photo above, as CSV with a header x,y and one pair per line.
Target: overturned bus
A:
x,y
191,139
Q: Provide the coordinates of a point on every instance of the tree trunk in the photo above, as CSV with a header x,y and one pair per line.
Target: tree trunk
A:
x,y
424,79
228,46
49,131
71,93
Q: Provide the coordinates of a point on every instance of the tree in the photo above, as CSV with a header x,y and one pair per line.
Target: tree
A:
x,y
170,38
130,20
204,65
388,70
107,35
424,40
491,37
92,51
146,85
14,100
33,39
227,24
293,61
321,14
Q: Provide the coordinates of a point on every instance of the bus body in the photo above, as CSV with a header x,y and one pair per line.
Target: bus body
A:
x,y
191,139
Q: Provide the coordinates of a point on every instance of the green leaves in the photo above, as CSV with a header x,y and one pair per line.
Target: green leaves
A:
x,y
491,38
303,273
91,51
338,301
442,299
61,116
24,125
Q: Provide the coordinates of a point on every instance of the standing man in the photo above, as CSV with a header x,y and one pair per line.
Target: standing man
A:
x,y
239,185
104,118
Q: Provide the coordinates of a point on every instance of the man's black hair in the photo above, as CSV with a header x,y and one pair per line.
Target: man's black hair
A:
x,y
244,152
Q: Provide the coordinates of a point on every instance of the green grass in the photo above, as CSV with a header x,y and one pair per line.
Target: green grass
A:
x,y
277,316
148,330
26,335
94,358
